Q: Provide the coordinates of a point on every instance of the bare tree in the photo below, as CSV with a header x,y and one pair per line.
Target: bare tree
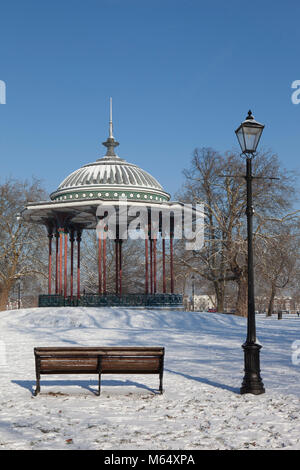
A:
x,y
278,255
218,182
21,244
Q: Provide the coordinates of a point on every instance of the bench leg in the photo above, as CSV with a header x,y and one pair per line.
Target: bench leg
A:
x,y
99,374
38,387
99,385
38,375
161,382
161,373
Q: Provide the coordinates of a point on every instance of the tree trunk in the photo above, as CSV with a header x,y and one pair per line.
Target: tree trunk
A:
x,y
242,297
271,301
4,295
220,293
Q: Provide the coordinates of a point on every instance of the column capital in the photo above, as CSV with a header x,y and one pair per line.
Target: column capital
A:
x,y
78,235
72,235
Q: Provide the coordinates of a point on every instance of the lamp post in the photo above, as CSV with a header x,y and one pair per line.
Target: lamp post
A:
x,y
248,134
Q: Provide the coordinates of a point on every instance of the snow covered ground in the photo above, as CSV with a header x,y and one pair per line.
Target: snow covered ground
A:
x,y
201,407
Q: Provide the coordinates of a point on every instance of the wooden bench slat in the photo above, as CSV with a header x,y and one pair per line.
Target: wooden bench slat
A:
x,y
107,364
129,364
97,351
97,348
55,363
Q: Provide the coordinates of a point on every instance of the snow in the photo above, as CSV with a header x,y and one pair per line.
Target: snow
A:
x,y
201,407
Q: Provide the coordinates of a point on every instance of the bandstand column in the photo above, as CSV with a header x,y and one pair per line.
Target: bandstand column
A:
x,y
171,264
146,267
60,286
104,265
50,236
72,239
120,266
56,261
65,264
99,266
151,265
164,264
78,239
117,265
154,264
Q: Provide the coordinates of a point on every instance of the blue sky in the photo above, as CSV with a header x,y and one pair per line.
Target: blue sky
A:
x,y
182,74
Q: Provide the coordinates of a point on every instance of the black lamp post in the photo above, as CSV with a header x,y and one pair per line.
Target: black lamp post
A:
x,y
248,134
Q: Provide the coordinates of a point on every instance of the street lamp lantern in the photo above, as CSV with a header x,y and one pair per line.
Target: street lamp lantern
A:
x,y
249,133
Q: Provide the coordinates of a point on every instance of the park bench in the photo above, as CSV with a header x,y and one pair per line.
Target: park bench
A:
x,y
99,360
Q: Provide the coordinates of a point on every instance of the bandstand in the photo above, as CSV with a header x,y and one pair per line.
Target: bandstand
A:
x,y
109,182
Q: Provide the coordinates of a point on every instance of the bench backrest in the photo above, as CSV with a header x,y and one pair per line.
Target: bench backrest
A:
x,y
94,359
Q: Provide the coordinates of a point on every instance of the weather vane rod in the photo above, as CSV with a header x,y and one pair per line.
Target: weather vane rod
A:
x,y
110,121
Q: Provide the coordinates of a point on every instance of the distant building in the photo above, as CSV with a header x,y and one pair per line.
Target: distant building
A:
x,y
201,303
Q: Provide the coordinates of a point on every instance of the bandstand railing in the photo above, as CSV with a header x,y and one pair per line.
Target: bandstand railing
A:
x,y
109,300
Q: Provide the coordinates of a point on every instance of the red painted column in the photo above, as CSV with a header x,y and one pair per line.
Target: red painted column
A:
x,y
151,266
56,261
99,266
171,264
61,233
154,264
117,265
78,239
71,262
120,266
146,267
104,265
164,264
66,265
50,235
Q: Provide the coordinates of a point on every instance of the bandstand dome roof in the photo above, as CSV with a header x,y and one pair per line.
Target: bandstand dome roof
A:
x,y
104,181
110,178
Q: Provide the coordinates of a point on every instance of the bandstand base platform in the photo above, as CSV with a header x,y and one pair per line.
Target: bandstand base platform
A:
x,y
112,300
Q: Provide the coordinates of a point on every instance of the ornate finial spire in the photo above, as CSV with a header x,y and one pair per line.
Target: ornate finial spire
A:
x,y
110,120
111,143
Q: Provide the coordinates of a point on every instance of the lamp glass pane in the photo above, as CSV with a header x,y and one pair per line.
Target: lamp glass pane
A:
x,y
251,135
240,136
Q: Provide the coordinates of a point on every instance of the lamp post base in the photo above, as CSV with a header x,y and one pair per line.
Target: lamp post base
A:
x,y
252,382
